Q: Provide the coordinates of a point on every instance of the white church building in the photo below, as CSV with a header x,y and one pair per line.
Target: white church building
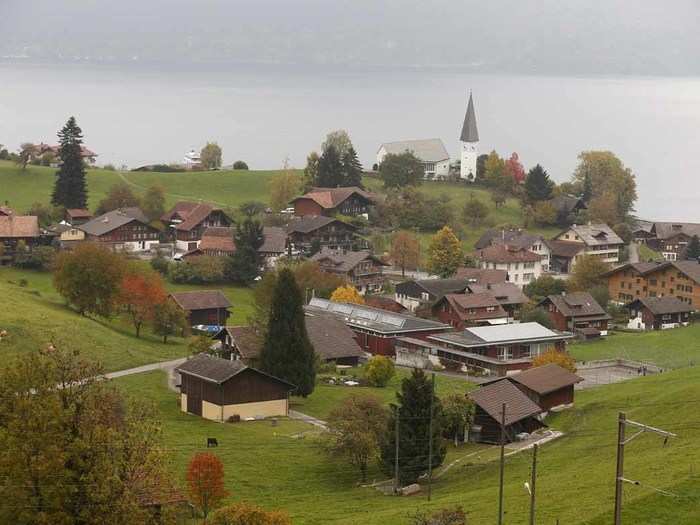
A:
x,y
433,154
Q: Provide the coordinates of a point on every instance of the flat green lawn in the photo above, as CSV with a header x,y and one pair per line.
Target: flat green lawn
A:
x,y
270,466
668,348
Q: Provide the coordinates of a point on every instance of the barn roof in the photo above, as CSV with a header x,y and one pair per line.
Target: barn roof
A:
x,y
18,226
491,398
663,305
329,198
577,304
344,261
331,337
546,379
112,220
217,370
218,238
275,240
201,300
309,224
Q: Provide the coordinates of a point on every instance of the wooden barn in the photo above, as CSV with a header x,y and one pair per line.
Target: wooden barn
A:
x,y
550,386
203,307
219,389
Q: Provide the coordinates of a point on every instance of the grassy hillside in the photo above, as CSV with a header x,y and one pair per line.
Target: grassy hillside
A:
x,y
271,466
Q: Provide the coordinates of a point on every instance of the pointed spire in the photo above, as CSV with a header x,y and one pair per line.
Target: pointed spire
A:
x,y
469,131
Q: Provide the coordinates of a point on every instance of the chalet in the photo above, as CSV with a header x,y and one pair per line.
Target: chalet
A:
x,y
496,350
472,309
598,240
65,235
550,386
521,413
350,201
323,232
642,231
563,255
124,229
216,241
77,216
203,307
223,390
680,279
187,221
567,208
522,265
508,295
385,303
516,238
414,294
672,238
431,152
658,313
481,276
375,330
15,229
238,343
274,245
577,312
359,268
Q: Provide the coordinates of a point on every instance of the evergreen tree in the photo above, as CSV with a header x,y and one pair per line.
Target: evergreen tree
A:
x,y
287,352
587,191
244,265
538,185
330,169
352,169
70,190
693,251
413,407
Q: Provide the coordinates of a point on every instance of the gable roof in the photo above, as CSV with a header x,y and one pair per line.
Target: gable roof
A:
x,y
511,237
427,150
594,234
196,216
663,305
181,209
666,230
217,370
469,130
201,300
436,288
112,220
78,213
501,253
309,224
344,261
330,198
566,249
274,240
245,338
491,398
331,337
690,269
506,293
481,275
19,226
472,306
218,238
566,204
577,304
546,379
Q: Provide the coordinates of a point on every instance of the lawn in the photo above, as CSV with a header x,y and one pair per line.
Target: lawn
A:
x,y
269,465
668,348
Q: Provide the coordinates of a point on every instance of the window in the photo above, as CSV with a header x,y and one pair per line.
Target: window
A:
x,y
504,353
527,277
528,265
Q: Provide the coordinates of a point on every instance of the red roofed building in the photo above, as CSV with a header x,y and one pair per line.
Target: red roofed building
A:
x,y
521,265
188,221
350,201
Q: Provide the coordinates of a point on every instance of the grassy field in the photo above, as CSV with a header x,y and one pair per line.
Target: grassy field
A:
x,y
668,348
269,465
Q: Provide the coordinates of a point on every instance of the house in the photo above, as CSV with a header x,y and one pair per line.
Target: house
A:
x,y
563,255
672,238
431,152
518,239
239,343
550,386
509,296
680,279
375,330
481,275
598,240
491,401
472,309
642,231
577,312
15,229
192,160
64,234
495,350
187,222
567,207
203,307
216,241
319,231
223,390
658,313
359,268
77,216
274,245
415,294
522,265
123,229
350,201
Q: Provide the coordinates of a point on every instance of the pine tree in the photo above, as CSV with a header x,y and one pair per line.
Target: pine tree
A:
x,y
330,169
352,169
70,190
244,265
693,250
287,352
538,185
414,404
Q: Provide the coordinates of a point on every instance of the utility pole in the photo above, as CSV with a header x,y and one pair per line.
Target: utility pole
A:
x,y
622,423
533,481
430,440
503,457
396,451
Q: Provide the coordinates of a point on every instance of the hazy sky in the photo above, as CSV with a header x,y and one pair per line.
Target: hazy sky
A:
x,y
537,36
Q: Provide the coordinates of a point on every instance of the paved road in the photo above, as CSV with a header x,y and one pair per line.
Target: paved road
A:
x,y
293,414
634,252
168,366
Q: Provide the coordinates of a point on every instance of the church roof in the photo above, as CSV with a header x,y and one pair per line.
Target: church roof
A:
x,y
469,131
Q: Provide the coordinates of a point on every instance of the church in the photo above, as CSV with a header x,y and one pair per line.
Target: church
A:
x,y
433,154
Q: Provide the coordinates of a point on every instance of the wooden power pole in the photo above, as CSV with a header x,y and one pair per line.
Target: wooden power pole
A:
x,y
430,439
503,457
533,482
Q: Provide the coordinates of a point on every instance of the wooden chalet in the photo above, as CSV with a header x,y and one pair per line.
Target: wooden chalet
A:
x,y
577,312
124,229
274,245
416,294
324,232
672,238
187,222
77,216
359,268
509,296
350,201
16,229
658,313
221,390
470,309
217,241
549,386
203,307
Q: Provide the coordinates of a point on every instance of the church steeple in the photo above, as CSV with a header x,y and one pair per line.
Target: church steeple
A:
x,y
469,131
470,144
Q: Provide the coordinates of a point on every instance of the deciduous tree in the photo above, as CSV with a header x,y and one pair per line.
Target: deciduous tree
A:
x,y
444,253
310,171
347,294
210,156
401,170
243,513
168,319
514,169
141,292
405,251
154,202
205,482
543,286
587,273
118,196
544,213
338,139
283,188
538,185
562,359
379,370
457,413
70,189
27,151
474,211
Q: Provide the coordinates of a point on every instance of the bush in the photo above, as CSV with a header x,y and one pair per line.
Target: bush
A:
x,y
246,514
379,370
240,165
198,270
531,314
39,258
160,264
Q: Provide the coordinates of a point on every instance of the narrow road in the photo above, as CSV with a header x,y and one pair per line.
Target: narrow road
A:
x,y
167,366
634,252
298,416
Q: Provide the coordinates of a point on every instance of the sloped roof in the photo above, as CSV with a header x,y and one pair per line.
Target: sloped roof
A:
x,y
6,210
331,337
666,230
577,304
689,268
181,209
195,217
663,305
439,287
78,213
329,198
500,253
469,130
246,339
481,275
112,220
545,379
463,303
344,261
505,293
219,238
427,150
491,398
19,226
201,300
511,237
275,240
565,204
216,370
309,224
567,249
595,234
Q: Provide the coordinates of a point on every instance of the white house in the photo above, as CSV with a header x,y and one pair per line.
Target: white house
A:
x,y
431,152
192,159
598,240
469,140
521,265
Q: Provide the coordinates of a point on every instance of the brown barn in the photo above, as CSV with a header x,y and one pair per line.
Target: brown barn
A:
x,y
577,312
219,389
239,343
77,216
189,220
658,313
550,386
15,229
360,268
473,309
204,307
123,229
350,201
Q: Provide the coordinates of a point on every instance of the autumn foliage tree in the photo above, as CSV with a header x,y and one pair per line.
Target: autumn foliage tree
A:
x,y
243,513
168,319
141,292
205,482
347,294
444,253
588,272
514,169
562,359
405,251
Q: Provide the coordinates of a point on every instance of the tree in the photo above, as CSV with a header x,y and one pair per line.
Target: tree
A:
x,y
538,185
73,448
168,319
119,196
338,139
355,428
588,273
514,169
330,169
252,208
587,189
692,252
246,514
481,168
240,165
70,190
405,251
287,352
494,169
210,156
552,355
413,408
444,253
379,370
89,278
310,171
263,292
499,197
141,292
312,280
352,169
283,188
603,208
205,482
401,170
543,286
43,213
474,211
535,314
347,294
244,265
27,152
153,204
457,413
544,213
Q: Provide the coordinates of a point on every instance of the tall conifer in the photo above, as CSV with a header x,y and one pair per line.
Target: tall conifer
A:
x,y
352,169
70,189
330,169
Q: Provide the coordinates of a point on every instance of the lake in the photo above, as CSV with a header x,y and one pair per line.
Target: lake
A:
x,y
139,115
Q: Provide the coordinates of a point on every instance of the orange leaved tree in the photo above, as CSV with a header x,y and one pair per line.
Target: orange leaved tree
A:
x,y
347,294
562,359
205,482
141,292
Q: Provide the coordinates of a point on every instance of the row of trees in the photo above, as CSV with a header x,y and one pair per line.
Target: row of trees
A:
x,y
337,165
